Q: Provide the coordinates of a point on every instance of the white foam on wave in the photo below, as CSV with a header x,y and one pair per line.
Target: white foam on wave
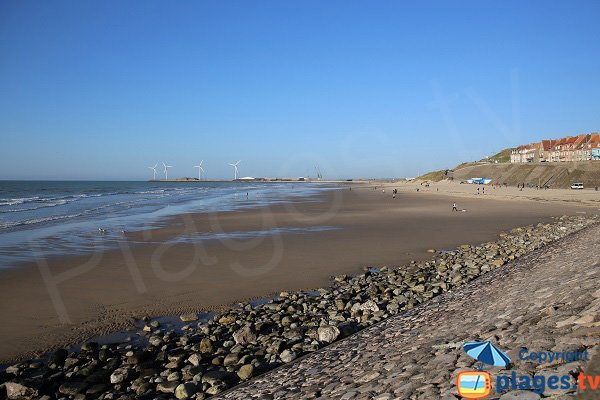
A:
x,y
36,220
18,200
12,224
44,205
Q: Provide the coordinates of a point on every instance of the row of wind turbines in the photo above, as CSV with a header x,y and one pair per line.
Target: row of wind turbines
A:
x,y
201,172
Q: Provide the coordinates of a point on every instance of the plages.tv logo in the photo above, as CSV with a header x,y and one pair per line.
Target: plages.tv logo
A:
x,y
474,384
478,384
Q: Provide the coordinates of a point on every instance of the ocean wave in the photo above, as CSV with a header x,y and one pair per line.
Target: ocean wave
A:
x,y
45,205
18,200
36,204
158,191
18,210
42,202
40,220
6,225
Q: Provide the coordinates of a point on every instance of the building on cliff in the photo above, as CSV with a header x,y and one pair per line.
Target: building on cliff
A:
x,y
582,147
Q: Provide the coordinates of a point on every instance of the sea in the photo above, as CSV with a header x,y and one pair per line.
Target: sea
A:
x,y
41,219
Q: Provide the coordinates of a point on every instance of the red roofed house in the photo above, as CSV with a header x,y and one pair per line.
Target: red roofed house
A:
x,y
546,150
556,150
571,148
593,147
577,148
566,148
532,152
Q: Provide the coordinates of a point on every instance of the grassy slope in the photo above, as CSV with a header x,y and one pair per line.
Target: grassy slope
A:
x,y
502,156
434,176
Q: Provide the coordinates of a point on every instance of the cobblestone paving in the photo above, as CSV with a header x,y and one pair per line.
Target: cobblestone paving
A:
x,y
546,301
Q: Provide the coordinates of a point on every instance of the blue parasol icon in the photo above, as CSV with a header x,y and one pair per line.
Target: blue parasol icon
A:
x,y
486,353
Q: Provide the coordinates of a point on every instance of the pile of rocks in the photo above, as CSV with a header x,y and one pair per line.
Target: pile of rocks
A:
x,y
546,302
210,356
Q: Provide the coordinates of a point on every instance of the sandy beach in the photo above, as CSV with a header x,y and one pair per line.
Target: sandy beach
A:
x,y
588,197
69,299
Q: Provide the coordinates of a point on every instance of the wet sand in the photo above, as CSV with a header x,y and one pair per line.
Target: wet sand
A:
x,y
70,299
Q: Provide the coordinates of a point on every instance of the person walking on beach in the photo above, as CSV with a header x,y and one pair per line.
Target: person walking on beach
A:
x,y
454,207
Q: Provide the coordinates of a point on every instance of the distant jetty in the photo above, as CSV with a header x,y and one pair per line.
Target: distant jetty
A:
x,y
251,179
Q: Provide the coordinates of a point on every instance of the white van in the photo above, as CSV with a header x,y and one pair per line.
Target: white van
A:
x,y
577,186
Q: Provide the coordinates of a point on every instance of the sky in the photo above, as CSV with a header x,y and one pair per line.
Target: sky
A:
x,y
103,89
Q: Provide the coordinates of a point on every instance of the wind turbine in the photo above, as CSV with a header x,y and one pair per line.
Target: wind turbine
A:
x,y
235,169
318,171
154,170
200,170
167,170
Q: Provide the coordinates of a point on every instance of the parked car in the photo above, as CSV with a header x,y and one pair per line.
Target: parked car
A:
x,y
577,186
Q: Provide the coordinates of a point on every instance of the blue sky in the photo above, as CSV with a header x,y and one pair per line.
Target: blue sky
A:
x,y
103,89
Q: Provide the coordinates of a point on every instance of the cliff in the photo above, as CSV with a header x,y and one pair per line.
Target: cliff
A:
x,y
555,175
